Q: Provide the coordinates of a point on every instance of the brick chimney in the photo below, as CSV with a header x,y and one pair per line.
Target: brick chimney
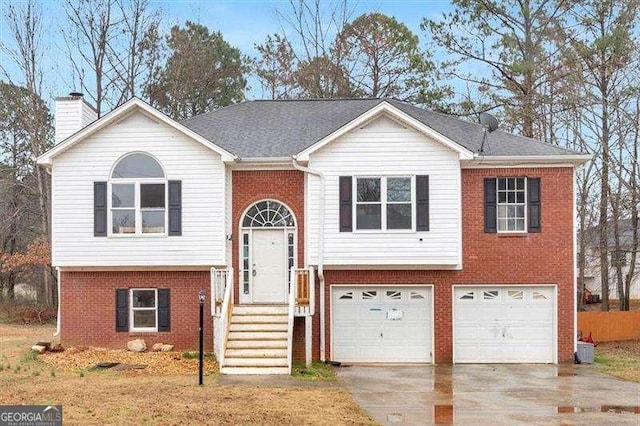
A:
x,y
73,113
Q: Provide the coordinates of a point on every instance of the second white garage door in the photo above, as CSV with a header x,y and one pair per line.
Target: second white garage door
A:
x,y
381,324
504,324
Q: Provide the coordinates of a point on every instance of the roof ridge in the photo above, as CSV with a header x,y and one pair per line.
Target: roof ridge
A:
x,y
314,99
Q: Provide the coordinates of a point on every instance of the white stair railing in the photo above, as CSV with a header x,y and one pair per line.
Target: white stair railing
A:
x,y
226,310
292,312
218,286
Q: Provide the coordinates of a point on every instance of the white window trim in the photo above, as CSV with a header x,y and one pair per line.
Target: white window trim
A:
x,y
383,204
132,328
248,230
137,207
526,206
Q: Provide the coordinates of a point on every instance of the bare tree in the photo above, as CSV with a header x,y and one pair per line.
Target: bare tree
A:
x,y
93,25
25,23
136,52
601,44
310,27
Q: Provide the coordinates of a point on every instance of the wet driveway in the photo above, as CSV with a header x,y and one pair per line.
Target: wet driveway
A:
x,y
492,394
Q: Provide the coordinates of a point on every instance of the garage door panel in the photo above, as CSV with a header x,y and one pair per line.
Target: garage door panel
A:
x,y
504,324
391,324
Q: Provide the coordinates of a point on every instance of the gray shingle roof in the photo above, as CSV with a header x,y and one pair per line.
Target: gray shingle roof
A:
x,y
277,128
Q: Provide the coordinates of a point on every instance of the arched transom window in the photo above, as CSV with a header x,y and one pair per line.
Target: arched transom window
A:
x,y
138,190
268,214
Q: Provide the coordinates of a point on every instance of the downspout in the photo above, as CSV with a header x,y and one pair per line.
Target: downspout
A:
x,y
304,169
59,314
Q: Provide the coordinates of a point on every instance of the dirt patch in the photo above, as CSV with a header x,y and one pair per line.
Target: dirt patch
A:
x,y
619,359
143,397
156,362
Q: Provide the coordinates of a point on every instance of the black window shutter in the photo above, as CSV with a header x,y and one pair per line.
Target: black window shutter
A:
x,y
490,205
346,204
175,207
533,204
164,309
422,203
122,309
99,209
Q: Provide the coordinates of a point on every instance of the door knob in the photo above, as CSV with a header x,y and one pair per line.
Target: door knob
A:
x,y
254,272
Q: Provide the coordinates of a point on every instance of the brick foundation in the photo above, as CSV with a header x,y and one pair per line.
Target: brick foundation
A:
x,y
88,307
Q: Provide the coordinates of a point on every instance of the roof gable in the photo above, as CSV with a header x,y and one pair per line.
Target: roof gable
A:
x,y
122,113
385,108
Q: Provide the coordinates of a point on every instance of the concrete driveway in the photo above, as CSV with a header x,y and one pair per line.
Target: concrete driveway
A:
x,y
492,394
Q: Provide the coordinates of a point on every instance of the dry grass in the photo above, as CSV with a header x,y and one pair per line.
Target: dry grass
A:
x,y
620,359
614,305
142,397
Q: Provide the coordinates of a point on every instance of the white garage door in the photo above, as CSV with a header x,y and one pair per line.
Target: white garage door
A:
x,y
504,324
381,324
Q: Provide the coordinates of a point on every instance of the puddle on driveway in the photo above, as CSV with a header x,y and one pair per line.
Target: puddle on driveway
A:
x,y
442,380
443,414
619,409
566,374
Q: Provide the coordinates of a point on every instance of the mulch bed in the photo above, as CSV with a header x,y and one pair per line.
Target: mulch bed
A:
x,y
85,358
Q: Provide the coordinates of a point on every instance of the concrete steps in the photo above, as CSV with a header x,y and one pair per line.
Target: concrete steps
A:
x,y
257,341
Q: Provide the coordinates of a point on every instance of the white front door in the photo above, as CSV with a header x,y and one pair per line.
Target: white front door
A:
x,y
269,266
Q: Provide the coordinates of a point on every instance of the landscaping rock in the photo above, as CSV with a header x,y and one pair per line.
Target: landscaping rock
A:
x,y
45,343
137,345
39,349
166,348
56,348
157,347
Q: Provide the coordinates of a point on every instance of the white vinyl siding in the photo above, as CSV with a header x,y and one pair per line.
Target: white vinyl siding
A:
x,y
201,171
71,116
384,148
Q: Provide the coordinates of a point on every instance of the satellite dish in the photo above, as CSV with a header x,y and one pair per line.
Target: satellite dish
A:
x,y
488,121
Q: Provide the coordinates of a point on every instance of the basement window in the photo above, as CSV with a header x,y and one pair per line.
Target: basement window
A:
x,y
144,310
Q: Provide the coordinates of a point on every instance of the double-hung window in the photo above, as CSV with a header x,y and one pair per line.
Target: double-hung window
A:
x,y
144,309
384,203
513,205
512,202
138,196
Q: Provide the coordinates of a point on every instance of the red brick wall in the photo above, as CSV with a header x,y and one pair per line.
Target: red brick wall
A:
x,y
88,307
543,258
286,186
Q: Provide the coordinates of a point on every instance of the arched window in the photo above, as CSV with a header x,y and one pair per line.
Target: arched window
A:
x,y
138,196
137,165
268,214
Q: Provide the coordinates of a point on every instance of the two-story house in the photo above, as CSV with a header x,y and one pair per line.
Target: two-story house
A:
x,y
352,230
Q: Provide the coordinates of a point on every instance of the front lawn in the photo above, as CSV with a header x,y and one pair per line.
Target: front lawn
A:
x,y
149,396
619,359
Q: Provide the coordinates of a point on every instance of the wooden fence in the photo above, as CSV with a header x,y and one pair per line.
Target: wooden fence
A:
x,y
610,326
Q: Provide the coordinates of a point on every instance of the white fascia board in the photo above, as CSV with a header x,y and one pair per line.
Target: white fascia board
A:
x,y
562,160
120,112
385,107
